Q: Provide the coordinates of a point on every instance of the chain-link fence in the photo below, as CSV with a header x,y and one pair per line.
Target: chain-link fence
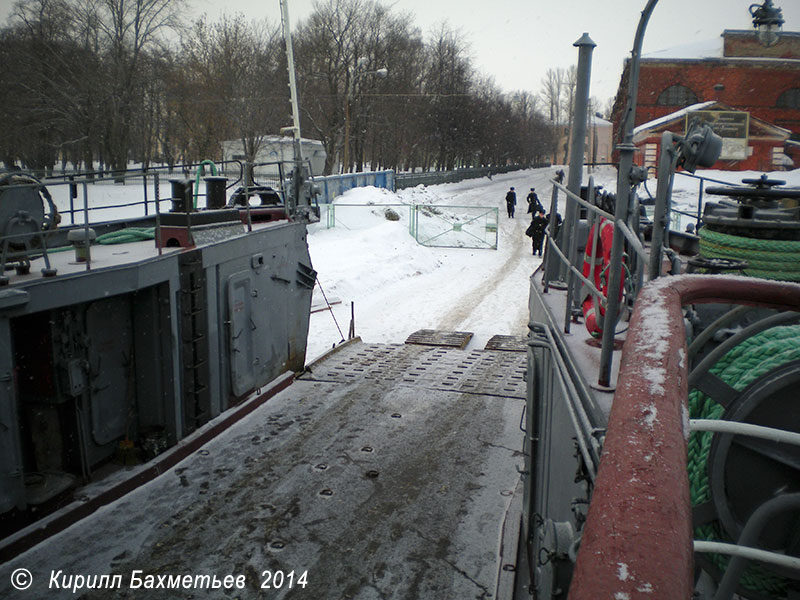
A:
x,y
454,226
429,225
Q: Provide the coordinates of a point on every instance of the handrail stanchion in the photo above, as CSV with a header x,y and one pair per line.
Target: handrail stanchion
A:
x,y
666,168
157,194
551,237
144,187
573,259
699,205
86,227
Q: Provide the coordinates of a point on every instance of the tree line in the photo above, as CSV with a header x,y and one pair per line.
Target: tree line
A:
x,y
112,81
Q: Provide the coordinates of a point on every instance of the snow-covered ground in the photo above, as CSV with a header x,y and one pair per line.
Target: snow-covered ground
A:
x,y
397,286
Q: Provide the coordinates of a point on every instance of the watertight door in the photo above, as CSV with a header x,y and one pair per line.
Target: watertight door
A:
x,y
108,325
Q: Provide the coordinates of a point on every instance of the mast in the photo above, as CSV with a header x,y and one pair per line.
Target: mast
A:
x,y
287,37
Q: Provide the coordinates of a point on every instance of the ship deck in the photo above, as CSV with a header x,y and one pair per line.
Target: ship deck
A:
x,y
550,308
64,260
382,471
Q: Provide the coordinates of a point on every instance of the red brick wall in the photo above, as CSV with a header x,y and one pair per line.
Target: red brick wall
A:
x,y
760,160
745,43
753,88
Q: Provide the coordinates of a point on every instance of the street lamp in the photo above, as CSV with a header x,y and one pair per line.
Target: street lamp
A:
x,y
382,72
767,19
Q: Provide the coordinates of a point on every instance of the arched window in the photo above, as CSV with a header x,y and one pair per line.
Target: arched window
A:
x,y
789,99
677,95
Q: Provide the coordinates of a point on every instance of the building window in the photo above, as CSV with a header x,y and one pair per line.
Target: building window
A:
x,y
650,155
789,99
677,95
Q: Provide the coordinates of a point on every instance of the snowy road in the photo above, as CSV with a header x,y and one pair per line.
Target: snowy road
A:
x,y
399,286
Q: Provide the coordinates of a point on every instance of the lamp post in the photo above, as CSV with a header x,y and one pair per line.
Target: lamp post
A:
x,y
767,19
382,72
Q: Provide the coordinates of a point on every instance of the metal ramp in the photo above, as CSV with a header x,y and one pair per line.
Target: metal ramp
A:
x,y
434,337
508,343
493,373
386,471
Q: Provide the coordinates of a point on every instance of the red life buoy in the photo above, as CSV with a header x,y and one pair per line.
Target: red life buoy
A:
x,y
598,273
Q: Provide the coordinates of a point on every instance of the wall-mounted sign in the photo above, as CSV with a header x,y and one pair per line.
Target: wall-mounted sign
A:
x,y
731,125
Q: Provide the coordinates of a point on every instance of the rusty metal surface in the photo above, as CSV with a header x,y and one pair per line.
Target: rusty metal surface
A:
x,y
640,514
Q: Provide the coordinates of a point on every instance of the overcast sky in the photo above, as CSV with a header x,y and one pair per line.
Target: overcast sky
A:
x,y
516,41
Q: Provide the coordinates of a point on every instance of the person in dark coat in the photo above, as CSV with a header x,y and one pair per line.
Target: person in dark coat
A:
x,y
536,231
557,224
511,202
534,206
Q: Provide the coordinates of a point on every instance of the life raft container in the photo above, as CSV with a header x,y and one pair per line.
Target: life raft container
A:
x,y
597,272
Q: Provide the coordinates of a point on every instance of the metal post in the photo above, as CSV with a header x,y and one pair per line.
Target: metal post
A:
x,y
624,185
157,194
144,187
699,207
551,239
666,166
585,47
573,294
346,158
86,227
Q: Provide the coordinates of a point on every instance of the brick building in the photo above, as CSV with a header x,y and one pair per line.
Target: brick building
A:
x,y
739,74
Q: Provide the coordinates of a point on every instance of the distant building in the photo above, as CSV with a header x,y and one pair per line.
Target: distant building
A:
x,y
598,143
736,74
279,149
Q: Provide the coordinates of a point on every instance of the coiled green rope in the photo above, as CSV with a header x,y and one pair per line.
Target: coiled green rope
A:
x,y
753,358
125,236
768,259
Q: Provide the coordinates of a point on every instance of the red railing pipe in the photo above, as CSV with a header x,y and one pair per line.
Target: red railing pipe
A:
x,y
637,542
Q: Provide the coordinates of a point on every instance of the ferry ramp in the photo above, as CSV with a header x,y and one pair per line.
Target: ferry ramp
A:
x,y
383,471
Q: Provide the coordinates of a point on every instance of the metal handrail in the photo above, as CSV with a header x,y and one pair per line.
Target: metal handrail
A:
x,y
572,269
646,437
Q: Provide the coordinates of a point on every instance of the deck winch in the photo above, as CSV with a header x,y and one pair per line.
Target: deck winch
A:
x,y
759,223
27,211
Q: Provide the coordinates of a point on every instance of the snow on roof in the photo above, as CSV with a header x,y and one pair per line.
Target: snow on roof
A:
x,y
672,116
695,50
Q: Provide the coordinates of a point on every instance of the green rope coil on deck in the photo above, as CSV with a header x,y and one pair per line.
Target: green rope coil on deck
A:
x,y
127,235
123,236
753,358
768,259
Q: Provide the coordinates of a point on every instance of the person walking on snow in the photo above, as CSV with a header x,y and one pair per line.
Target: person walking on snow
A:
x,y
536,231
534,206
511,202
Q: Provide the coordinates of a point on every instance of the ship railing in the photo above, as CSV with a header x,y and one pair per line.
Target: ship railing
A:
x,y
571,261
640,519
71,201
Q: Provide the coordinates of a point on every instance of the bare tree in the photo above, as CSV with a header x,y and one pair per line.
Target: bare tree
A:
x,y
42,99
126,30
237,69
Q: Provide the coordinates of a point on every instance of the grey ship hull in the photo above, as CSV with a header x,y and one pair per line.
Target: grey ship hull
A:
x,y
126,359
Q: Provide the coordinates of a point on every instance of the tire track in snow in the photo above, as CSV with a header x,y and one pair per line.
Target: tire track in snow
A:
x,y
467,307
